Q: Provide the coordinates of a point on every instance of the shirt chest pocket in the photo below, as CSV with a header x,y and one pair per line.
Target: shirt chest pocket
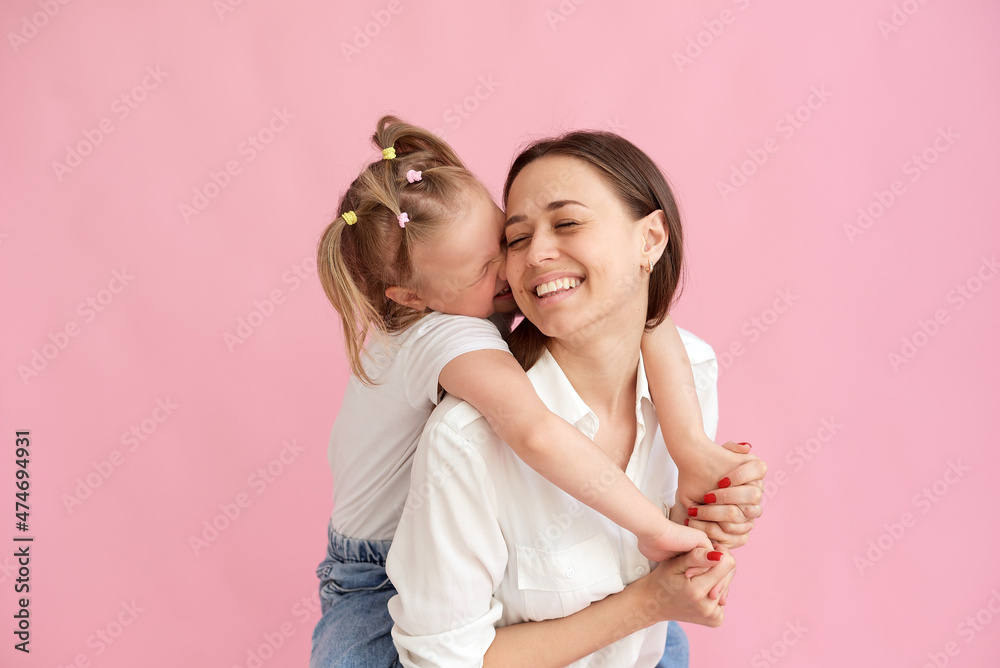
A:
x,y
557,583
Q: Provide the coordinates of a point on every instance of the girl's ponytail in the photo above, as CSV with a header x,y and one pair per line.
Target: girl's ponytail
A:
x,y
368,248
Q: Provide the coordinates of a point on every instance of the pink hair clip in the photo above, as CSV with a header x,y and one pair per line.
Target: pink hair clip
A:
x,y
413,176
403,219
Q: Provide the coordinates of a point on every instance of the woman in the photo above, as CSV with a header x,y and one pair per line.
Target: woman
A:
x,y
493,564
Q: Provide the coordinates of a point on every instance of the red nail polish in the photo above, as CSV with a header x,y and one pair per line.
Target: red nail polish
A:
x,y
686,522
710,498
725,482
746,444
693,511
715,556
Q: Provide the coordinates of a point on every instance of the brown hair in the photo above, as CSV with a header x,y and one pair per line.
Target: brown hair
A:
x,y
642,189
356,263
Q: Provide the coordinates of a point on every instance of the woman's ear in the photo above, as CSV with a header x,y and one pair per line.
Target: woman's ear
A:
x,y
655,235
406,297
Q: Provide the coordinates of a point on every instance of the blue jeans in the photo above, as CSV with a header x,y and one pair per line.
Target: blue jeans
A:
x,y
675,654
354,591
355,628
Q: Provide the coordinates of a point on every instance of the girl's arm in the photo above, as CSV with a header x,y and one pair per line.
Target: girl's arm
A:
x,y
703,465
494,383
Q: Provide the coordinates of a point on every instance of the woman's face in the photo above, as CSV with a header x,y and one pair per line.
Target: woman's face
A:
x,y
574,254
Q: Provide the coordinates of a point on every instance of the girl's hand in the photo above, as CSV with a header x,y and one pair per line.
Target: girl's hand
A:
x,y
673,540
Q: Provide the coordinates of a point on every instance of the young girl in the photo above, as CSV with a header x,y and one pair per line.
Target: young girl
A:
x,y
414,264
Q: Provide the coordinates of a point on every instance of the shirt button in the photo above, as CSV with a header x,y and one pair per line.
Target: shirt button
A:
x,y
570,573
639,570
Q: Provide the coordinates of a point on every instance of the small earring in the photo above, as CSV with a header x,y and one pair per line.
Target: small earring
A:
x,y
649,269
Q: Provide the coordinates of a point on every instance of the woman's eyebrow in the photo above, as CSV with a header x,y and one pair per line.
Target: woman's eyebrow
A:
x,y
551,206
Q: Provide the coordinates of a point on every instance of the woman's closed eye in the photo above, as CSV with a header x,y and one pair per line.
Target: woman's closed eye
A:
x,y
513,243
518,239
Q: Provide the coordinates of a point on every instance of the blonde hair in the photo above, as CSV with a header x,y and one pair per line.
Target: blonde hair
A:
x,y
357,262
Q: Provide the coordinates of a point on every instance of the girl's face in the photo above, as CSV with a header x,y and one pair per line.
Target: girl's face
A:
x,y
462,273
574,254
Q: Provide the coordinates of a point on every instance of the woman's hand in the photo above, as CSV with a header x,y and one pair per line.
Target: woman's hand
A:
x,y
722,523
742,486
672,595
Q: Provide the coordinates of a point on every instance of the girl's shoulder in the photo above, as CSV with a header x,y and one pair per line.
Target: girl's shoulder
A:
x,y
698,350
445,327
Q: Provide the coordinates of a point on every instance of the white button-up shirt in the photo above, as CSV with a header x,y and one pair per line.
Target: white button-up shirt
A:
x,y
485,541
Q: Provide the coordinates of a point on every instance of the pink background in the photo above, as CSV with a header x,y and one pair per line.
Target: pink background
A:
x,y
879,539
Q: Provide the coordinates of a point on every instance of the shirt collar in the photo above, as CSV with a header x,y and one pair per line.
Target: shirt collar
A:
x,y
556,392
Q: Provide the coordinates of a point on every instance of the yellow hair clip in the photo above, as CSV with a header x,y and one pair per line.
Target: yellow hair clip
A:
x,y
389,153
350,217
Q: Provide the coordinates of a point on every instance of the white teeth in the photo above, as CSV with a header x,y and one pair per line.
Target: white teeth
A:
x,y
556,285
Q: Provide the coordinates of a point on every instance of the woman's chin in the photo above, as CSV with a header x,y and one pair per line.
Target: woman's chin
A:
x,y
560,328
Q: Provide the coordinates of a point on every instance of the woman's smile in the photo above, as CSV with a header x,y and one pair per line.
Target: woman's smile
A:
x,y
554,287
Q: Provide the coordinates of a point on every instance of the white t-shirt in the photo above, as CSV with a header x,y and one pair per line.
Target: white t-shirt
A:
x,y
485,541
376,431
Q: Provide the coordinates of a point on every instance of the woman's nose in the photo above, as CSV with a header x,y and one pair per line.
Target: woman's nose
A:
x,y
541,248
502,268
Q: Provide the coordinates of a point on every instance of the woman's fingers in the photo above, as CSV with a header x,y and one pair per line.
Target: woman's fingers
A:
x,y
698,558
722,562
714,512
744,494
715,531
746,497
736,529
724,594
753,470
738,448
720,587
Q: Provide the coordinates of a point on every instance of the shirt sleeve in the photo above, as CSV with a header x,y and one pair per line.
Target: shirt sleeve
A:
x,y
437,340
705,367
448,556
